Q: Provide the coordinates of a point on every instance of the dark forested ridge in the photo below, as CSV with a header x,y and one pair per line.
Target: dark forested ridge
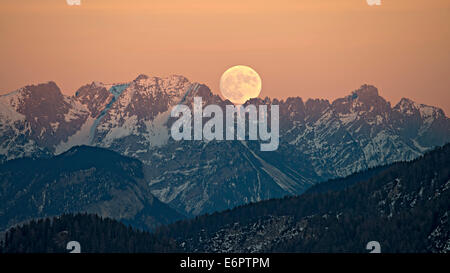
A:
x,y
95,235
338,184
404,206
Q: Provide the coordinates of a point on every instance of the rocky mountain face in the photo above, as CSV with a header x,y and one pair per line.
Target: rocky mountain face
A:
x,y
36,118
404,207
319,140
359,131
83,179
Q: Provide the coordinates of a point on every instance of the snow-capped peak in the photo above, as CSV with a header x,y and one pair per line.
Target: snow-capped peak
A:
x,y
409,107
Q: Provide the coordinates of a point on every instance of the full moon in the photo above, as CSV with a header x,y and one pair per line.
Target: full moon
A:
x,y
240,83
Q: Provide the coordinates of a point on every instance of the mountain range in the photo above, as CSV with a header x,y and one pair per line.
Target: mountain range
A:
x,y
403,206
319,140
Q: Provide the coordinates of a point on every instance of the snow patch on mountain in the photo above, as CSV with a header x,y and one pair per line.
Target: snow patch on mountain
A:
x,y
348,118
116,90
167,195
285,182
76,111
81,137
128,128
158,132
7,111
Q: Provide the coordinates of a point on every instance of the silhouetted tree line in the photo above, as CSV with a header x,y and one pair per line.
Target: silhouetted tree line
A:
x,y
95,235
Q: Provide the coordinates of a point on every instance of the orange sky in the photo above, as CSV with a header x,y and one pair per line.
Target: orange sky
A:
x,y
307,48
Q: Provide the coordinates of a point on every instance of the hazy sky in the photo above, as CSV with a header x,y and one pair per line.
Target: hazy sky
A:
x,y
307,48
